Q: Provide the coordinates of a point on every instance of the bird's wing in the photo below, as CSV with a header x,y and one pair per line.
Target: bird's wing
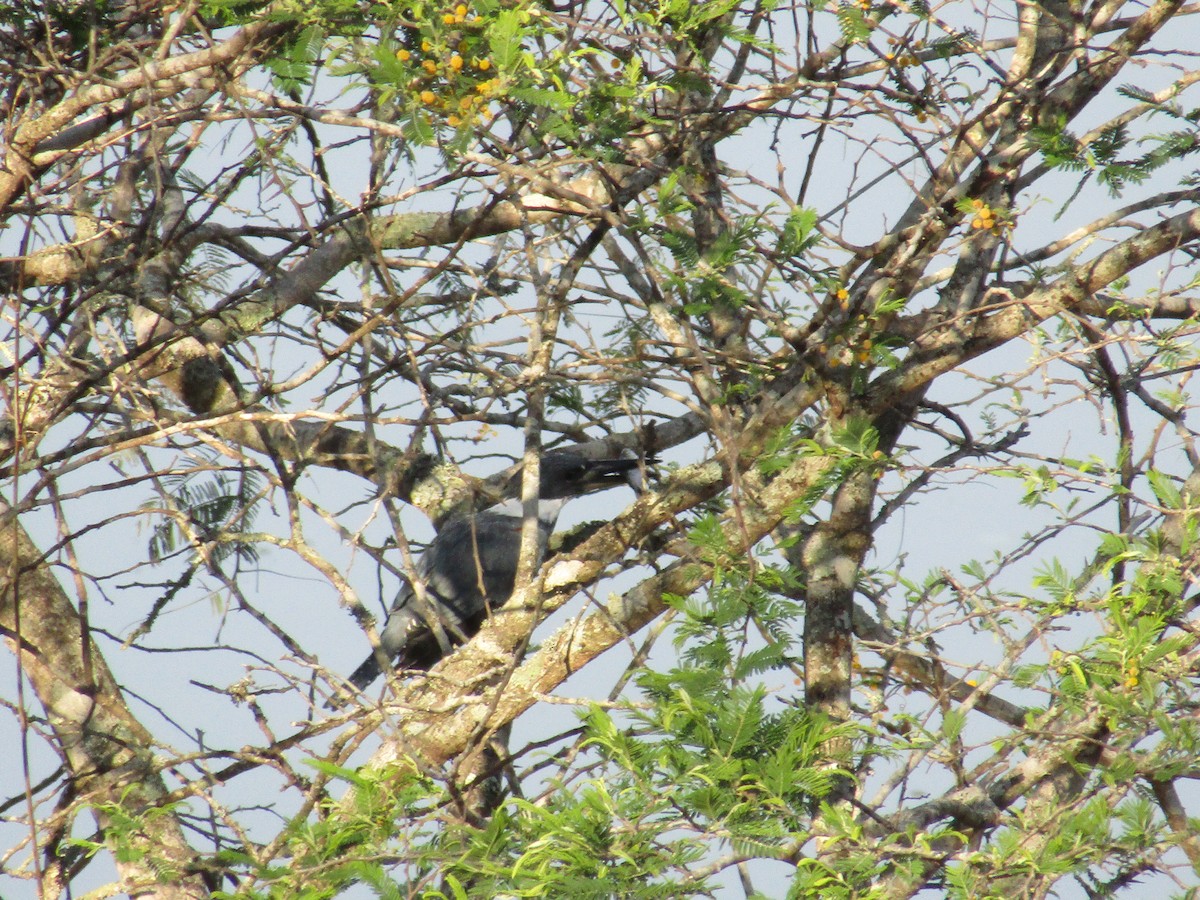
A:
x,y
467,571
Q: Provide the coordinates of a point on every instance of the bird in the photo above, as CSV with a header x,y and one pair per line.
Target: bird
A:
x,y
470,567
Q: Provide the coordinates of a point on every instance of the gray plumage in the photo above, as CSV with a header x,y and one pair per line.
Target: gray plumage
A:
x,y
470,568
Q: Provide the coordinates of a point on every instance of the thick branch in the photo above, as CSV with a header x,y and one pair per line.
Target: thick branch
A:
x,y
110,754
942,347
43,139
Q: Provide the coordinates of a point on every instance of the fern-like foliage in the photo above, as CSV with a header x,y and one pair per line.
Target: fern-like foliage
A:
x,y
206,505
1108,155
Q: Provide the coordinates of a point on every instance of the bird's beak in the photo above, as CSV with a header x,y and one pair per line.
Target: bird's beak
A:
x,y
634,477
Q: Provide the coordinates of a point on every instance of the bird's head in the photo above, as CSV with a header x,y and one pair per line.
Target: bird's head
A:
x,y
565,473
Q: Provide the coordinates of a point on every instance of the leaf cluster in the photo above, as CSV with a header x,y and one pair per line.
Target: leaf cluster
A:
x,y
214,503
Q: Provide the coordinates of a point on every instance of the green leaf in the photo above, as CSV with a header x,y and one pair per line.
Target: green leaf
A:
x,y
505,36
1165,490
857,437
799,232
544,97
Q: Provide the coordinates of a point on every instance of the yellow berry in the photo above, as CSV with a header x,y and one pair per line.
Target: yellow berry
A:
x,y
456,62
403,55
429,66
448,18
453,121
426,46
460,10
466,103
483,65
428,98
